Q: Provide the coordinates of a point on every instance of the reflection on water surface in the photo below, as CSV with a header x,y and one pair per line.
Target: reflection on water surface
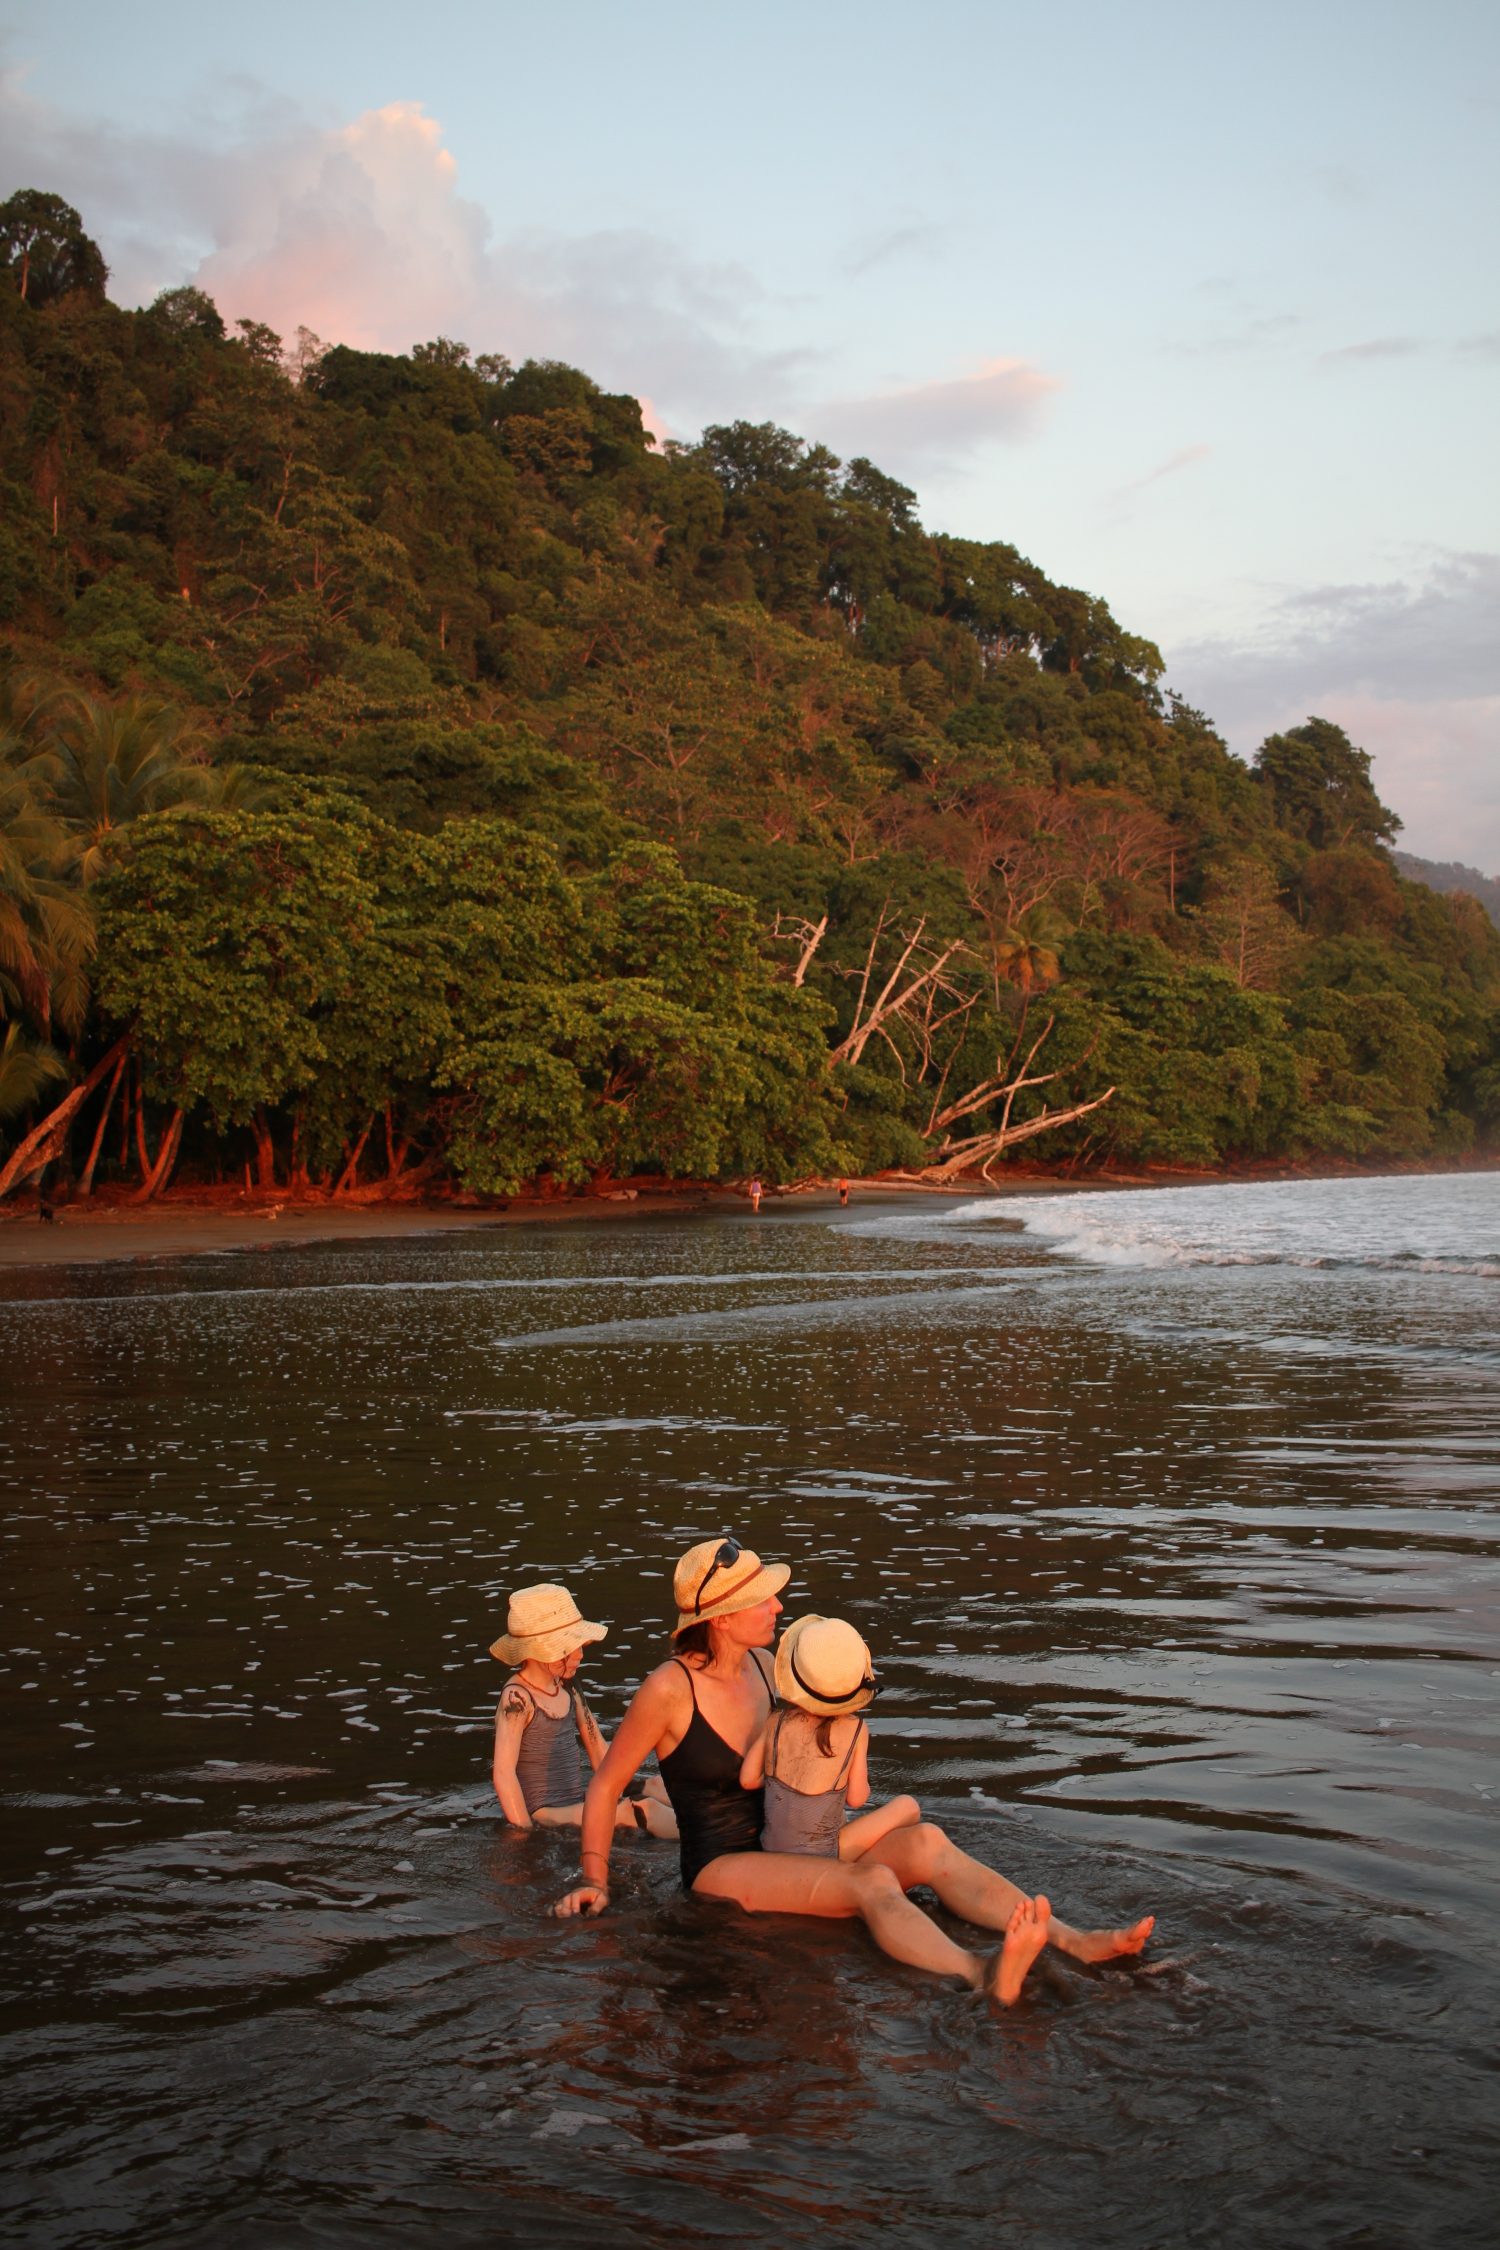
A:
x,y
1181,1575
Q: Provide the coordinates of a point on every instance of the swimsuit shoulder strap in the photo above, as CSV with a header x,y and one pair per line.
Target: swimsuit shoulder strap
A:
x,y
843,1773
687,1670
515,1681
773,1742
765,1677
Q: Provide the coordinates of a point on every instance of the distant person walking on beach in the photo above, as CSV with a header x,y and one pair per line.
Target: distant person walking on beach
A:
x,y
756,1192
843,1195
541,1721
701,1711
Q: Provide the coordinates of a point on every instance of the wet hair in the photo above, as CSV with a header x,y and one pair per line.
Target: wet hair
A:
x,y
823,1723
693,1640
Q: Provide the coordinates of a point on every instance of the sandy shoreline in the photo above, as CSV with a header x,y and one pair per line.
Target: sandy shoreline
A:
x,y
203,1223
91,1234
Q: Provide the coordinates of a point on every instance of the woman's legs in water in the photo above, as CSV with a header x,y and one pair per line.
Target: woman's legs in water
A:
x,y
925,1855
646,1812
791,1883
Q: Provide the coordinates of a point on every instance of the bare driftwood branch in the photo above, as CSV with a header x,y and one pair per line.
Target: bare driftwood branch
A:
x,y
891,1001
980,1149
808,935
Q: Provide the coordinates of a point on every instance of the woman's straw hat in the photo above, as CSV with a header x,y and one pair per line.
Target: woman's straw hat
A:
x,y
822,1665
543,1622
718,1577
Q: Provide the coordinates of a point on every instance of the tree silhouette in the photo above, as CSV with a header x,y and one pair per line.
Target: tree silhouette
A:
x,y
43,245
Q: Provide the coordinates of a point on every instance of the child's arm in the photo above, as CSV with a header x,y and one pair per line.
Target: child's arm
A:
x,y
588,1732
511,1721
753,1764
857,1836
858,1791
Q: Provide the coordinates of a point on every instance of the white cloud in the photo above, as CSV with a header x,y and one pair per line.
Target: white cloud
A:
x,y
936,427
1409,667
1438,765
1186,457
360,232
1375,348
903,238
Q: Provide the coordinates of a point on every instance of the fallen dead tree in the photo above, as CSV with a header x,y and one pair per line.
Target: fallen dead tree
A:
x,y
978,1151
922,998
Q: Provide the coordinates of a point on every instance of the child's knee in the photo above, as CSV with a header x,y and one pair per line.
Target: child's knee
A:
x,y
876,1882
931,1844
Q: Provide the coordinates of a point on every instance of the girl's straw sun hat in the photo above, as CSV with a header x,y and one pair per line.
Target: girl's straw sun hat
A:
x,y
823,1666
719,1577
543,1622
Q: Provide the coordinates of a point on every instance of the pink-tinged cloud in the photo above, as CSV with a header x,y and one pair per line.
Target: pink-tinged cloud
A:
x,y
937,426
1437,763
654,423
1411,667
360,233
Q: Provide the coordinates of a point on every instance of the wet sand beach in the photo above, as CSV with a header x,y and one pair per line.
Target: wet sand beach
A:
x,y
83,1234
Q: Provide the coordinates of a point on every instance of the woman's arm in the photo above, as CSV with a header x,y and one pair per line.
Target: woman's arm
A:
x,y
512,1718
645,1726
753,1765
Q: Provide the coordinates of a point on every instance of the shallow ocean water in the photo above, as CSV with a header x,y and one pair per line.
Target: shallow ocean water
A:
x,y
1172,1520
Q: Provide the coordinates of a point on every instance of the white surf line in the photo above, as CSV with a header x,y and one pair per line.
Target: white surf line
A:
x,y
814,1312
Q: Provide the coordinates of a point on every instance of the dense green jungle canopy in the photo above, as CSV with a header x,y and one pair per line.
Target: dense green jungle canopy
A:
x,y
408,773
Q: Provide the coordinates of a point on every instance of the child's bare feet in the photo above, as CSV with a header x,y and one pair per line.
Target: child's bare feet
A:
x,y
1104,1945
1025,1935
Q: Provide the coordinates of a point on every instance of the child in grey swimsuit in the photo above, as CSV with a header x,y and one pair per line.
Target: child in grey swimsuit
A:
x,y
542,1722
811,1757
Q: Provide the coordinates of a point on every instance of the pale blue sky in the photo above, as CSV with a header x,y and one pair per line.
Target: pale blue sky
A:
x,y
1196,305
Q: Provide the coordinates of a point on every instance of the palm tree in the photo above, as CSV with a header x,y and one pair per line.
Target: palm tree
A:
x,y
46,929
1025,955
106,764
25,1069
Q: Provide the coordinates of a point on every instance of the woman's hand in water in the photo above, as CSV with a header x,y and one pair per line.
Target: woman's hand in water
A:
x,y
587,1898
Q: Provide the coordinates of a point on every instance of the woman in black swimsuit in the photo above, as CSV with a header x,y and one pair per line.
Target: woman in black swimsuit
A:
x,y
701,1710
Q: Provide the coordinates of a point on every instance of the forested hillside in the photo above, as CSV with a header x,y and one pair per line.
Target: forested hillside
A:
x,y
1449,875
409,774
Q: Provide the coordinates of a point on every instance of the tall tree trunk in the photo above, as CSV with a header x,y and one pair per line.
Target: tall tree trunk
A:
x,y
166,1157
396,1147
350,1174
142,1146
43,1142
265,1150
86,1184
